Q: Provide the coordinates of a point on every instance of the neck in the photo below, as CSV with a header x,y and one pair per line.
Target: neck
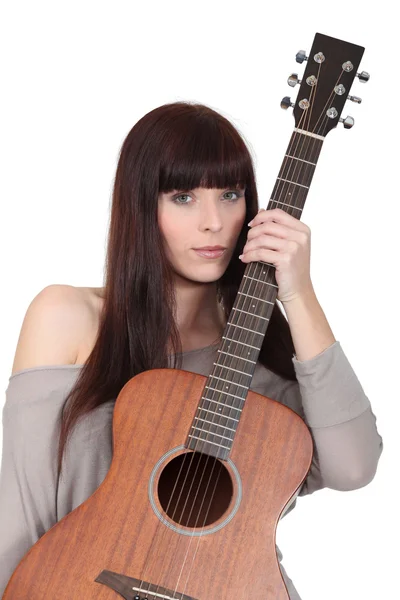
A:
x,y
200,319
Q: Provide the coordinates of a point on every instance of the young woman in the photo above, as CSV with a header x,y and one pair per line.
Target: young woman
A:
x,y
184,181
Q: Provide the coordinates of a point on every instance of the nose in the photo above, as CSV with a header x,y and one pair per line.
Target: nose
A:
x,y
210,217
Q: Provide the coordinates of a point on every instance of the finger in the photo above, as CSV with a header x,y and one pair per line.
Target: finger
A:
x,y
259,254
267,242
276,229
278,215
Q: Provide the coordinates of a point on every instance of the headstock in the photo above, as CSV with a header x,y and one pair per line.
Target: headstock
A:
x,y
330,71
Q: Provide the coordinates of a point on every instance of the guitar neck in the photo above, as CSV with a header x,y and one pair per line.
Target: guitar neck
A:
x,y
227,386
331,68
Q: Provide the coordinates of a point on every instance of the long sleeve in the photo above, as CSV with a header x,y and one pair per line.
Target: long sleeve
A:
x,y
31,498
347,445
27,479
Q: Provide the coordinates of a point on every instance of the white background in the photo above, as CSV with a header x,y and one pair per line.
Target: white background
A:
x,y
76,76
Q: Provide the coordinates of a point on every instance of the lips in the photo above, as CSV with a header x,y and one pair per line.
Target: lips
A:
x,y
210,248
210,253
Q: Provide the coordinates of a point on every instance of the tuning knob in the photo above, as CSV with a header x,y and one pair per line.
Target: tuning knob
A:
x,y
348,122
293,80
301,56
363,76
285,103
355,99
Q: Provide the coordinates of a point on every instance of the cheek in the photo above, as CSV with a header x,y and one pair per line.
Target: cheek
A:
x,y
172,229
239,221
169,227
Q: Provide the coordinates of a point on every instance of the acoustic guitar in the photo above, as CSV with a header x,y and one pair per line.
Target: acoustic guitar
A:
x,y
203,468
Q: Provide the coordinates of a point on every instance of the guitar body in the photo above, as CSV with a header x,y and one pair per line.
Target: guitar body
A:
x,y
215,539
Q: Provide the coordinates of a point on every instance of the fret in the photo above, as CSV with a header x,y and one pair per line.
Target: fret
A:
x,y
283,189
227,415
258,281
225,393
262,262
208,441
255,298
294,182
296,158
227,381
231,369
228,412
216,424
300,147
240,357
221,403
239,342
246,328
211,433
285,204
219,414
247,313
298,173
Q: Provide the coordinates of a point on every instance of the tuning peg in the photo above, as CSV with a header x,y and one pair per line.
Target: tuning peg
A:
x,y
348,122
363,76
293,80
301,56
355,99
286,102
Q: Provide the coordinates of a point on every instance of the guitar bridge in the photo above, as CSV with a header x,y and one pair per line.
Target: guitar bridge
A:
x,y
136,589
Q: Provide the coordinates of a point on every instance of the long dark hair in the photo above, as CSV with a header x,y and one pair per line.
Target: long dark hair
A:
x,y
180,145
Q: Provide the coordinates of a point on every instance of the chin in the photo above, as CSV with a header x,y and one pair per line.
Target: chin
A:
x,y
209,274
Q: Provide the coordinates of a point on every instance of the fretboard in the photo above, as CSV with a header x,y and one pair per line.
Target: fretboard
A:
x,y
218,414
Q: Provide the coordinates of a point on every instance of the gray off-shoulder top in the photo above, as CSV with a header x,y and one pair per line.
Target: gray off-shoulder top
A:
x,y
327,395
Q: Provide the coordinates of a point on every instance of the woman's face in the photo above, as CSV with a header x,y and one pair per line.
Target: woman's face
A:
x,y
197,218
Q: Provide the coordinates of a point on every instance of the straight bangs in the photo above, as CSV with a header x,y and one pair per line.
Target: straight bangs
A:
x,y
204,152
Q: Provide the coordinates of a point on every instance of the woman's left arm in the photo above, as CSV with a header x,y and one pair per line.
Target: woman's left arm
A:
x,y
327,391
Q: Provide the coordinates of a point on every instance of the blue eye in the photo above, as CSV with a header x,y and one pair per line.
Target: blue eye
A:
x,y
237,193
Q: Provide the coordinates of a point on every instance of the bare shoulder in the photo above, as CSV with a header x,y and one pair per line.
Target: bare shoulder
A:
x,y
55,324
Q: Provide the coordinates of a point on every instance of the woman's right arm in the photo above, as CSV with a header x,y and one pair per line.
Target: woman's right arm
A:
x,y
52,328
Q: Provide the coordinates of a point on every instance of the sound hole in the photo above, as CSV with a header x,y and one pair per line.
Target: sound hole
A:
x,y
195,489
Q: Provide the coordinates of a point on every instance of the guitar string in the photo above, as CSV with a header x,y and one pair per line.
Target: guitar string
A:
x,y
302,137
313,143
206,438
308,112
212,422
251,316
295,142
